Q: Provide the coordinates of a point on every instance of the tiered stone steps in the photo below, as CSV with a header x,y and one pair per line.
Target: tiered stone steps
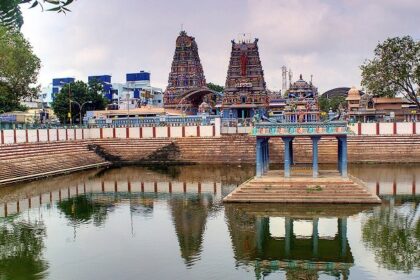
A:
x,y
226,149
20,162
329,187
140,150
241,149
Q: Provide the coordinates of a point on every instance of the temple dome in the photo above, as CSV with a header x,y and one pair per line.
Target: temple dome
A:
x,y
353,91
302,89
353,94
301,84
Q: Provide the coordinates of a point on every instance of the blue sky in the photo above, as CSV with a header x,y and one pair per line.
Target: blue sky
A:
x,y
328,39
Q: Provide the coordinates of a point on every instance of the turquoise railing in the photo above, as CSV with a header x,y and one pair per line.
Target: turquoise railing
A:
x,y
155,121
297,129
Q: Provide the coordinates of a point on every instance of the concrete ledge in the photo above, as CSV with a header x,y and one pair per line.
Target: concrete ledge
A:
x,y
53,173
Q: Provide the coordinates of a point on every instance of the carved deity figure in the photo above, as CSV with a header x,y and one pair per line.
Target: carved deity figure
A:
x,y
244,60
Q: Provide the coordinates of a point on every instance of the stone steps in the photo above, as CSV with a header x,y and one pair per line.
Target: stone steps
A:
x,y
328,188
30,160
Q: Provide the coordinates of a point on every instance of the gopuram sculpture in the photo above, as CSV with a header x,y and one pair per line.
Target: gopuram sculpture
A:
x,y
245,89
187,88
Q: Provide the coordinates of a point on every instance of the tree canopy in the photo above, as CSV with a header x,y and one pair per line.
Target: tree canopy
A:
x,y
392,233
19,68
79,92
21,249
334,103
11,14
215,87
395,69
83,209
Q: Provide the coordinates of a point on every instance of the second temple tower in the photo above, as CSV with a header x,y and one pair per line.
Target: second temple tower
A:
x,y
245,90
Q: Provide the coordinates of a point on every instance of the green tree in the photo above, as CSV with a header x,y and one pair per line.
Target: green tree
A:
x,y
392,233
21,249
215,87
83,209
11,14
334,103
395,69
19,68
79,92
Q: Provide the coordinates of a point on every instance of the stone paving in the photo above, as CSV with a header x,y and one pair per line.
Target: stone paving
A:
x,y
301,187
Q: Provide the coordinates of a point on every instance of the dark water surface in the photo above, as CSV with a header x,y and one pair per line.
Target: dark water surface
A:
x,y
140,223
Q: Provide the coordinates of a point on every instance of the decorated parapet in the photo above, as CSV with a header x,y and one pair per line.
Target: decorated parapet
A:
x,y
300,129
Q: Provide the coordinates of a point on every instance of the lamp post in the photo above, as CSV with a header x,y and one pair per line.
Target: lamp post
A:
x,y
1,118
413,118
80,109
69,114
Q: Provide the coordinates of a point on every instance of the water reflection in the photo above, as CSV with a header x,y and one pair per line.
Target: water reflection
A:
x,y
21,249
299,255
181,207
84,209
392,231
189,216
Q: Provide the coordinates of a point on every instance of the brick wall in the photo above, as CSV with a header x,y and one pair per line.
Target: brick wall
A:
x,y
241,149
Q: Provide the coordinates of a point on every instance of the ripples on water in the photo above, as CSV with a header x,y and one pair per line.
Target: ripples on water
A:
x,y
137,223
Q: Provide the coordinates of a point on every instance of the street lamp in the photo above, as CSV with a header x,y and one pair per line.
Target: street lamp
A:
x,y
1,118
69,115
413,118
80,109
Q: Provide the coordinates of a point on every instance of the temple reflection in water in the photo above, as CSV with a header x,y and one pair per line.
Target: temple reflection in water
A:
x,y
296,254
299,242
189,216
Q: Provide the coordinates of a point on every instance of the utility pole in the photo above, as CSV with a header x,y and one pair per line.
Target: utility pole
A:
x,y
71,121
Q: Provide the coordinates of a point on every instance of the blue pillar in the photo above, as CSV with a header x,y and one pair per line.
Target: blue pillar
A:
x,y
263,155
291,153
315,141
344,156
286,141
339,154
258,157
268,154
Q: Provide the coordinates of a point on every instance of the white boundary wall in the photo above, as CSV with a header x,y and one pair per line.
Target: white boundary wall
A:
x,y
11,136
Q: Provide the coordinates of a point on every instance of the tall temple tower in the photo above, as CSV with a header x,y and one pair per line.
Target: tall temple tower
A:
x,y
186,76
245,90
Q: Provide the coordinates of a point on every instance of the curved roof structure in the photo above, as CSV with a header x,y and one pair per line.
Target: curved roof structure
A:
x,y
340,91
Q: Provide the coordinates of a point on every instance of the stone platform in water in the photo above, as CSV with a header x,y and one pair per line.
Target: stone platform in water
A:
x,y
329,187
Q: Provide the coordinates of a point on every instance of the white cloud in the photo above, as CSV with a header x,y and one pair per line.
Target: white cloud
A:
x,y
326,38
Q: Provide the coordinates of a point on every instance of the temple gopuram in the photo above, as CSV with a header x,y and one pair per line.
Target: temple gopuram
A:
x,y
187,89
245,90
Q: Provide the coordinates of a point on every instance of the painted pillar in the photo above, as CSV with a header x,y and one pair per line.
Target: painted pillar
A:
x,y
342,233
268,154
263,156
339,154
288,224
258,158
344,156
287,154
315,141
315,237
291,153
